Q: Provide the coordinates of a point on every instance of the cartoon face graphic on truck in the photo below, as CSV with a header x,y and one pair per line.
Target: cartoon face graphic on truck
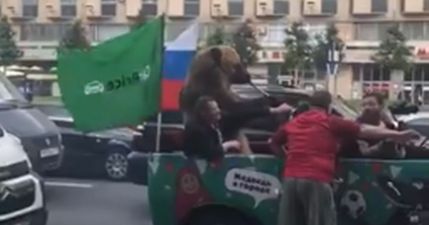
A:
x,y
94,87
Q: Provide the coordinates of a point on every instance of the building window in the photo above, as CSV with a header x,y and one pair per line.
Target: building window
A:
x,y
150,7
408,76
309,75
103,32
376,74
329,6
272,35
371,31
68,8
379,6
378,31
43,32
235,7
174,28
372,72
366,31
108,7
426,73
192,7
281,7
29,8
385,74
414,30
426,5
356,72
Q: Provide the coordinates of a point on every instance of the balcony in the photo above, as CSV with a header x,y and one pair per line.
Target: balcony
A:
x,y
415,7
319,8
96,10
227,9
38,51
185,10
368,7
24,13
132,8
270,9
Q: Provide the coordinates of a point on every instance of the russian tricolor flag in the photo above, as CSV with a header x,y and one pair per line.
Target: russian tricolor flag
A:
x,y
177,59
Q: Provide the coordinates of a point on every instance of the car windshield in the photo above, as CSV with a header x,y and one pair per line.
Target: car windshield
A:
x,y
247,91
9,93
55,111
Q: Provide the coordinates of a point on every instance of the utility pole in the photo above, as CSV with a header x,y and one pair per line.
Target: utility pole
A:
x,y
332,67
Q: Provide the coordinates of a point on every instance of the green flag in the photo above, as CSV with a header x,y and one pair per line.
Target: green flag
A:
x,y
116,83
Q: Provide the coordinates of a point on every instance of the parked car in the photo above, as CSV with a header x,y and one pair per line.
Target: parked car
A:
x,y
418,122
95,153
22,197
258,131
40,137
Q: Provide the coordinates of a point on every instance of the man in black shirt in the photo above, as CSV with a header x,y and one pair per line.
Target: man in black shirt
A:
x,y
203,138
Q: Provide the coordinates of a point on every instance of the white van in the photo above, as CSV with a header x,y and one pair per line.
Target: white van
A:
x,y
21,190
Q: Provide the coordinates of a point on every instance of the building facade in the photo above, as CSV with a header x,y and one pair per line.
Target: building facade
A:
x,y
40,24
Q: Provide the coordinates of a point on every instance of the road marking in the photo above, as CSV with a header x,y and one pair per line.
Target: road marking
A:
x,y
68,184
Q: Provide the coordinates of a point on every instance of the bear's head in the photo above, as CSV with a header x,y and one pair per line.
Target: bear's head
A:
x,y
212,72
222,63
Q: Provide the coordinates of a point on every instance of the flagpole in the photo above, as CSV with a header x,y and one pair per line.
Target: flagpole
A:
x,y
159,118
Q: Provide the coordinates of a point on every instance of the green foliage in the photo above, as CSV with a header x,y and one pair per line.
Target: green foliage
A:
x,y
324,44
219,37
75,38
393,52
299,52
246,44
139,21
9,52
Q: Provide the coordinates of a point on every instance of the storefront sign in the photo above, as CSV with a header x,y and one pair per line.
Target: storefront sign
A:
x,y
422,53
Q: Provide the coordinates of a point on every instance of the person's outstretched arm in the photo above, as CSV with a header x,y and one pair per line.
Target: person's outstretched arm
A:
x,y
350,129
243,111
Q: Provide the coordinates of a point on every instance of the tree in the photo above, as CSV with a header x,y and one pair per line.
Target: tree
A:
x,y
325,43
246,44
299,52
218,37
393,53
140,20
75,38
9,52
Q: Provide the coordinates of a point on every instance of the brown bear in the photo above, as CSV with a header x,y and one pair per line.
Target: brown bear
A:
x,y
212,72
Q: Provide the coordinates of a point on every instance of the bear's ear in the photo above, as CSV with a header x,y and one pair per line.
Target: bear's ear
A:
x,y
216,55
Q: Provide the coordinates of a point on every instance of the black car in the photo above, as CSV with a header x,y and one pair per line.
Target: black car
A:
x,y
96,153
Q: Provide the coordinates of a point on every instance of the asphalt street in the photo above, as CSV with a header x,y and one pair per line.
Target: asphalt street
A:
x,y
94,202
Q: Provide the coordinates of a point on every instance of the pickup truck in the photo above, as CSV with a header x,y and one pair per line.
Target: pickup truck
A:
x,y
258,131
243,190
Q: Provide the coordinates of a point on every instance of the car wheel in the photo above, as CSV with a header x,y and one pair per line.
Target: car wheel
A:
x,y
116,164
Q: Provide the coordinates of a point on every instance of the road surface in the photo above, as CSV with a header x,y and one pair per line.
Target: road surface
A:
x,y
92,202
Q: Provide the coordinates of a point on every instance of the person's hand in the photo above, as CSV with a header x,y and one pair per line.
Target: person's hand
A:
x,y
234,144
406,135
283,108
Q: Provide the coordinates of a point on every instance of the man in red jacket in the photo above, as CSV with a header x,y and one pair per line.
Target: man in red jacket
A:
x,y
312,141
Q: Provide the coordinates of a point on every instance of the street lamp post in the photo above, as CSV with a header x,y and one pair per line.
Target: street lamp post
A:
x,y
334,60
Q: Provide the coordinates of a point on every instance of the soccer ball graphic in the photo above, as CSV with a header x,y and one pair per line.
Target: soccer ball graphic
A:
x,y
353,203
